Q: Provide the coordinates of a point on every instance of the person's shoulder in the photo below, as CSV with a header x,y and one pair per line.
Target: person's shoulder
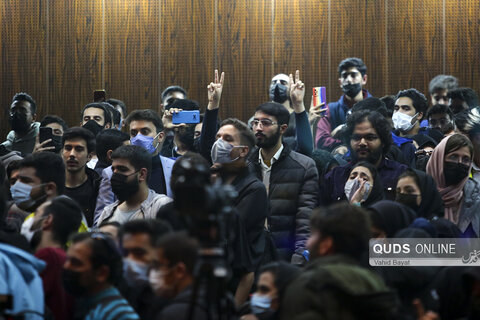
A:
x,y
394,164
50,253
301,159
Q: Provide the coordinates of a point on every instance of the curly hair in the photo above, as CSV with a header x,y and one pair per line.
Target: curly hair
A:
x,y
379,123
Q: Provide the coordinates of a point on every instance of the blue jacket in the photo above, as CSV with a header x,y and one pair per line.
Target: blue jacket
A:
x,y
338,111
19,277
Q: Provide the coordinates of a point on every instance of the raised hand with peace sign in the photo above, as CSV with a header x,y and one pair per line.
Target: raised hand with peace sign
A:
x,y
215,91
297,92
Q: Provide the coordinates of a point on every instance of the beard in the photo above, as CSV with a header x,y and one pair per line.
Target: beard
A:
x,y
262,141
372,155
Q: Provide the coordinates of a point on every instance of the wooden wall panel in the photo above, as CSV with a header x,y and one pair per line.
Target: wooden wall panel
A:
x,y
22,54
75,56
244,54
132,51
358,30
462,35
187,42
301,42
415,45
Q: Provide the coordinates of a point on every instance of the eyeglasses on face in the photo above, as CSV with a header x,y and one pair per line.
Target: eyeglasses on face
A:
x,y
263,122
368,137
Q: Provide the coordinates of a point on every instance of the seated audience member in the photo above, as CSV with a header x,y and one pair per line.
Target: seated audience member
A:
x,y
440,117
22,116
388,217
138,245
41,177
120,106
418,191
92,269
81,182
439,87
462,99
55,220
369,137
131,166
273,280
172,277
450,166
334,285
352,74
363,186
146,131
58,127
106,142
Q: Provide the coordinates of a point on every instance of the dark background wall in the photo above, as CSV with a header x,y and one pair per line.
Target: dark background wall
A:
x,y
60,51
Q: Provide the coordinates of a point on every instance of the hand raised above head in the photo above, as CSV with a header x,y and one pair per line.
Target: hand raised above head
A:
x,y
215,89
297,92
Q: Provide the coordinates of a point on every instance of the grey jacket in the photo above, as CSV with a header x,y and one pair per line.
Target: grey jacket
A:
x,y
148,208
24,144
470,211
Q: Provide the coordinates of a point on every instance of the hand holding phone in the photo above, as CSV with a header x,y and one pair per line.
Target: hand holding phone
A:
x,y
186,116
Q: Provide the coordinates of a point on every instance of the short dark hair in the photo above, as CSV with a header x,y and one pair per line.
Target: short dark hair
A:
x,y
104,252
154,228
137,156
347,225
352,63
119,103
462,120
145,115
379,123
49,167
246,135
109,139
114,113
99,105
371,104
472,126
22,96
51,118
457,141
179,247
276,110
442,82
283,274
82,133
369,166
172,89
440,109
184,104
465,94
420,103
67,217
389,104
12,166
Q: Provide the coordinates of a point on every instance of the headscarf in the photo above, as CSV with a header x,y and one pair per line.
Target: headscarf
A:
x,y
376,194
432,203
452,195
390,216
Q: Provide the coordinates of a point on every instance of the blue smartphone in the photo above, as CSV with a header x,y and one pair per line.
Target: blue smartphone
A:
x,y
187,116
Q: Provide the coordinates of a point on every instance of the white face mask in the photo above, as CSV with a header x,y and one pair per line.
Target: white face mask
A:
x,y
403,122
157,283
351,186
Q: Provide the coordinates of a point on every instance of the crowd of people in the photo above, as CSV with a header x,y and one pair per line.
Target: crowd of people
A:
x,y
130,215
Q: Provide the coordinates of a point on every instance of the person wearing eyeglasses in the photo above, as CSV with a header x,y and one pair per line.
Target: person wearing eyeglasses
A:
x,y
291,179
450,166
369,138
92,269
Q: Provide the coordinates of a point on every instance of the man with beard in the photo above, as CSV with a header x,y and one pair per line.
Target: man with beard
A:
x,y
291,179
334,285
23,113
131,166
229,155
352,77
368,133
81,183
55,221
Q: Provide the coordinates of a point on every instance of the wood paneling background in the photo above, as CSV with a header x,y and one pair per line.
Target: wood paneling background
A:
x,y
60,51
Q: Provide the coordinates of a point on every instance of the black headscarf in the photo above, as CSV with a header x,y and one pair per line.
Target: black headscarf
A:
x,y
432,203
390,216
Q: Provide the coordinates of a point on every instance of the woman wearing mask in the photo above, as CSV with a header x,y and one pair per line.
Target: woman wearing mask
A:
x,y
450,165
418,190
363,186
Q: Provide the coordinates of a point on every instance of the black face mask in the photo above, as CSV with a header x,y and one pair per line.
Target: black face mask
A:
x,y
123,188
351,89
410,200
278,93
71,283
93,127
454,173
18,122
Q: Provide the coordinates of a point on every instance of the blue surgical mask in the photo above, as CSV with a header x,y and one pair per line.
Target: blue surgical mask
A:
x,y
260,304
134,270
145,142
20,192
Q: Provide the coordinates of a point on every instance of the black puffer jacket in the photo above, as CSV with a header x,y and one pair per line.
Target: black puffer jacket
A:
x,y
293,193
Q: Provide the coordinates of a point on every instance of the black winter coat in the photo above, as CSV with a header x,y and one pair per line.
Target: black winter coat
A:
x,y
293,193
